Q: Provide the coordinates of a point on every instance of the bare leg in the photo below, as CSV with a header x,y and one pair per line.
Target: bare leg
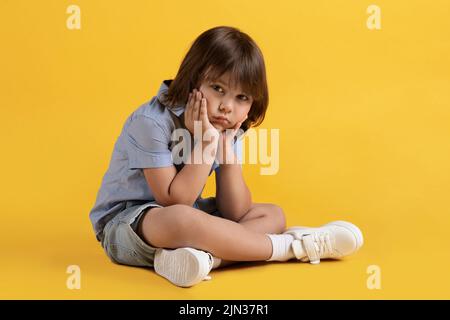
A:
x,y
262,218
184,226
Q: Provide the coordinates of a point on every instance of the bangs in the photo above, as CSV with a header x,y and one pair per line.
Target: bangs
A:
x,y
242,74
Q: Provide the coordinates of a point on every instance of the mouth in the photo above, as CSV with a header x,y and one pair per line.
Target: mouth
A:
x,y
220,120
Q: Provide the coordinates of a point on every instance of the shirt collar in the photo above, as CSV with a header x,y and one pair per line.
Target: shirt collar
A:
x,y
177,110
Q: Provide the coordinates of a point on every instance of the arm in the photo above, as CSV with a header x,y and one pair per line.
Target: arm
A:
x,y
233,198
170,188
184,188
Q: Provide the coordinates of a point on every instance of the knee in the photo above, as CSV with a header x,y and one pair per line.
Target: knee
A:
x,y
171,226
278,216
186,222
184,219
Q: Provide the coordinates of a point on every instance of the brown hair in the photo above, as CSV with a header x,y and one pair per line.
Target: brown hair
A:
x,y
215,52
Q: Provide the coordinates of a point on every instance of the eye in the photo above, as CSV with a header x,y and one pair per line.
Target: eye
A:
x,y
217,87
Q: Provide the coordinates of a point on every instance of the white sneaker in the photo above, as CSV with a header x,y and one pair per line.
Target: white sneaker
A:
x,y
333,240
183,267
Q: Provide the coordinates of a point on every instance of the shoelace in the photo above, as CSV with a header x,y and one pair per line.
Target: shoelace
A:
x,y
316,245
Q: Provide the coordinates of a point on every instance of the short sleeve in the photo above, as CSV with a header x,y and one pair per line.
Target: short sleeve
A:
x,y
147,144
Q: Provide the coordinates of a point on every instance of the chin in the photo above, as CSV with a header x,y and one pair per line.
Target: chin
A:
x,y
219,128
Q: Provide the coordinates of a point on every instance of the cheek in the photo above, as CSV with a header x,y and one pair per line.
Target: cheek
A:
x,y
210,102
244,111
209,108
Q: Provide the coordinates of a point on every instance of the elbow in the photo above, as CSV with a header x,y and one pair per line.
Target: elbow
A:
x,y
244,206
235,211
233,214
174,199
186,202
241,211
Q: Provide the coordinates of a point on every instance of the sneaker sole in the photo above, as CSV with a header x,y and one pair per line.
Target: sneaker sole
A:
x,y
183,267
352,228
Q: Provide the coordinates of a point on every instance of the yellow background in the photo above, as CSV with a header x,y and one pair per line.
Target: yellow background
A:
x,y
364,119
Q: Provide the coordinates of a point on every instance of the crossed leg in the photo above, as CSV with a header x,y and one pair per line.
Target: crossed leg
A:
x,y
244,240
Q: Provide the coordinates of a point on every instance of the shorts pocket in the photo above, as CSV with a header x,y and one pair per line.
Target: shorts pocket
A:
x,y
121,254
119,245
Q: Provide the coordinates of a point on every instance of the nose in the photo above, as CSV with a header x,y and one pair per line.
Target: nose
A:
x,y
226,106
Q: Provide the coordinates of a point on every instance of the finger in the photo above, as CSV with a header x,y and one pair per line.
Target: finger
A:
x,y
203,110
238,125
192,101
200,98
189,98
189,102
196,106
188,108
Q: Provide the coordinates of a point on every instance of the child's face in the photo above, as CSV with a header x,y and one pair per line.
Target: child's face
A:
x,y
222,101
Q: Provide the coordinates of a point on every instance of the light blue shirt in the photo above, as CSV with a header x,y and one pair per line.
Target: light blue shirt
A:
x,y
145,142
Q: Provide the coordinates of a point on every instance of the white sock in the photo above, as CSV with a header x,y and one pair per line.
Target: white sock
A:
x,y
216,262
281,247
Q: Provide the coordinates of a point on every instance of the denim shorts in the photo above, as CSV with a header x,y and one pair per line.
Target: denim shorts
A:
x,y
120,238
